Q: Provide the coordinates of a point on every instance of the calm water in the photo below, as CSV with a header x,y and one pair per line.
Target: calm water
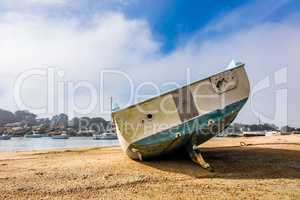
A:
x,y
45,143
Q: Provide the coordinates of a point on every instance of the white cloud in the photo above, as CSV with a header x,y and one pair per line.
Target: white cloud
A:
x,y
33,2
110,41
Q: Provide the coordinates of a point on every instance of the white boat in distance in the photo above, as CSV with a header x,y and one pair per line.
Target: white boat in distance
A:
x,y
105,136
183,118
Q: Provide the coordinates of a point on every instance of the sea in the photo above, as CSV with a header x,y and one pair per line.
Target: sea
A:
x,y
17,144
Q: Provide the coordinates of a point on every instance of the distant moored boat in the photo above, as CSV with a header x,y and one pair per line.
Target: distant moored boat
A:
x,y
62,136
105,136
5,137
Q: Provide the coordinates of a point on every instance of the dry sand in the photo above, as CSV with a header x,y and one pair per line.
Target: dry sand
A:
x,y
268,171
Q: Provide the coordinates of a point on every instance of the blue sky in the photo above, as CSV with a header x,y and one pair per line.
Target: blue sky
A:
x,y
152,41
173,21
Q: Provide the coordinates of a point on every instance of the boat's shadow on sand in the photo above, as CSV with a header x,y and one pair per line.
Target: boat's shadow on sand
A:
x,y
235,163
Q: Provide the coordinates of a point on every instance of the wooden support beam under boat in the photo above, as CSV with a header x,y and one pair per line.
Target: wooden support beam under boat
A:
x,y
197,158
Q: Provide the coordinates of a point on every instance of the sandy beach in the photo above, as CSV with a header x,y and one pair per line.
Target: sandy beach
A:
x,y
268,168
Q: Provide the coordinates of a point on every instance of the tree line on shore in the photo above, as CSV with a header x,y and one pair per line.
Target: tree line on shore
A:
x,y
24,121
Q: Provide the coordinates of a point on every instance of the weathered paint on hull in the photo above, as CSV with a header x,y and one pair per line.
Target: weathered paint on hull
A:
x,y
187,116
179,136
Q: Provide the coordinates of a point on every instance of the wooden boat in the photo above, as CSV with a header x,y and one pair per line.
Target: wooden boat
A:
x,y
183,118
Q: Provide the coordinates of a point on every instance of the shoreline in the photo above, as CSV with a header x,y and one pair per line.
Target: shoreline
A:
x,y
267,169
56,150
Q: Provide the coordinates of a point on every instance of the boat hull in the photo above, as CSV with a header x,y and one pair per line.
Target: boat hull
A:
x,y
5,137
168,141
184,117
32,136
60,137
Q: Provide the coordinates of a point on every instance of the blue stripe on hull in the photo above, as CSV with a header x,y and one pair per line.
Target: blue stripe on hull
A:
x,y
180,135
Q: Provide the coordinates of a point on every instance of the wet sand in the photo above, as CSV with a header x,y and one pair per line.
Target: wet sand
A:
x,y
269,168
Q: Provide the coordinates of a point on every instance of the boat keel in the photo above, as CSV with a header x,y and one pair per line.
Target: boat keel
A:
x,y
195,154
198,159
